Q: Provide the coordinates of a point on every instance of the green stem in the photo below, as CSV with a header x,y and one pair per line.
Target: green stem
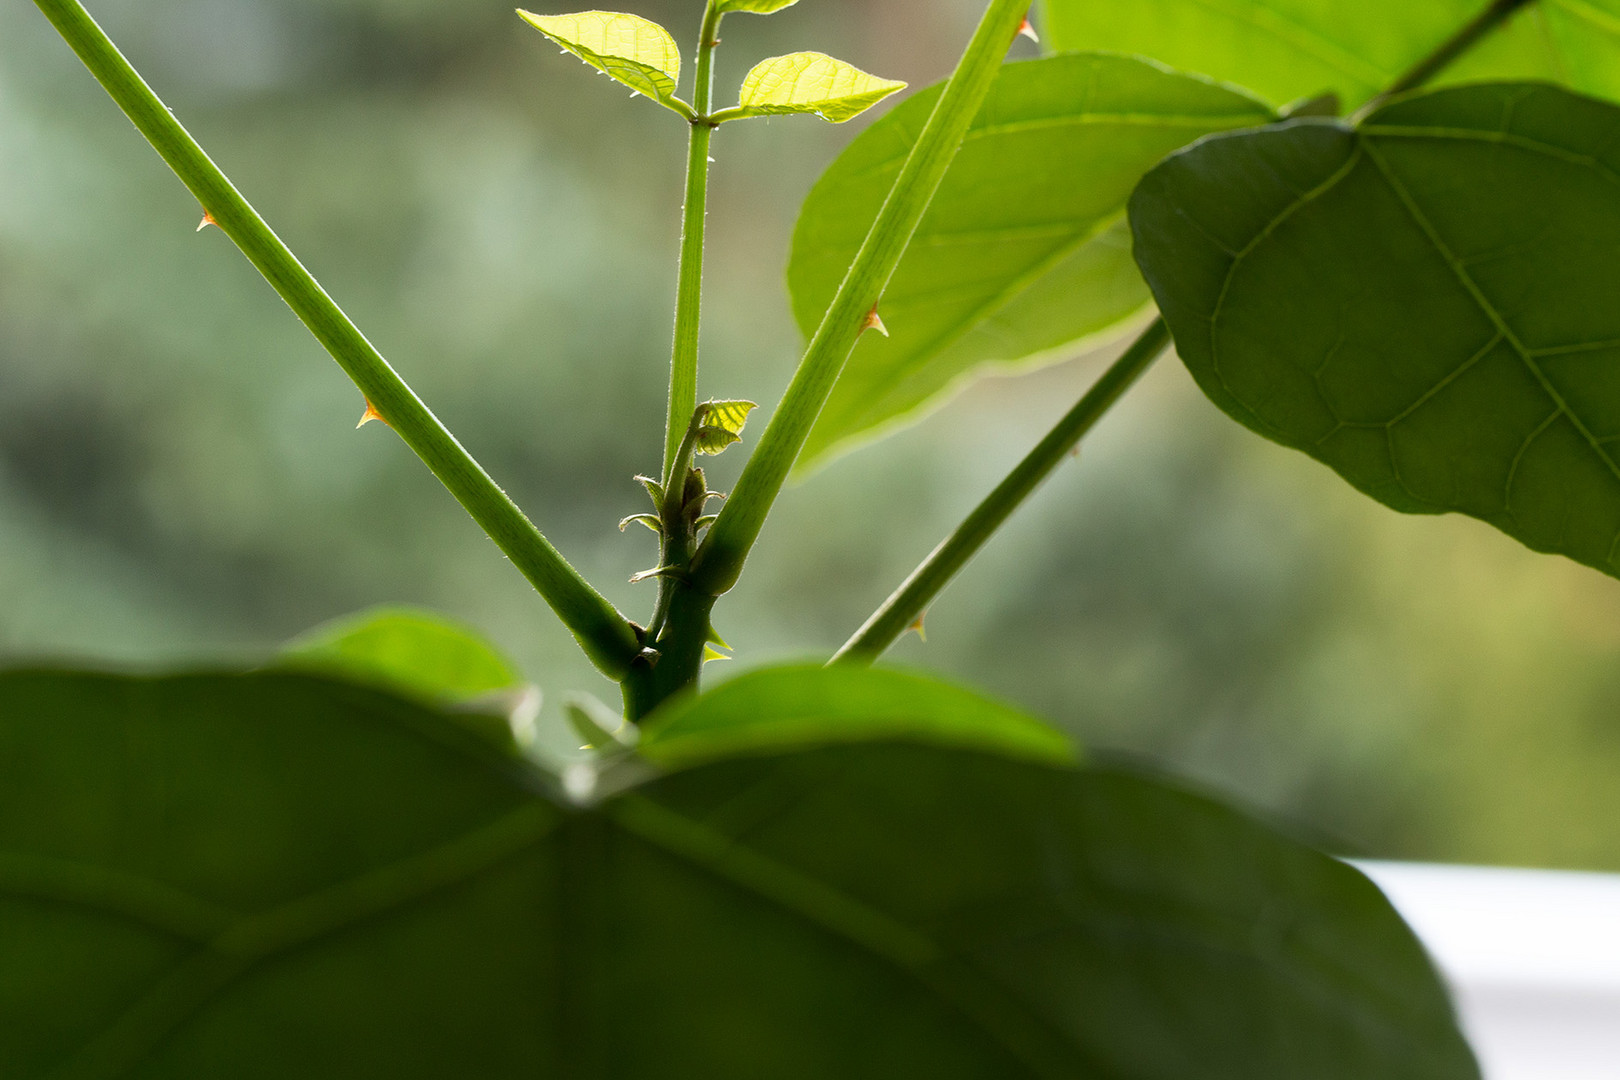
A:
x,y
902,609
689,290
606,636
720,558
1450,50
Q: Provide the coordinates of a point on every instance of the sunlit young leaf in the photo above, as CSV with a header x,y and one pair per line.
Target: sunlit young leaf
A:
x,y
633,50
774,709
279,876
811,82
1024,252
1426,303
721,424
1285,49
758,7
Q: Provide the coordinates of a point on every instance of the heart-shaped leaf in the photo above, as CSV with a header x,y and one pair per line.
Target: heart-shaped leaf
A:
x,y
776,709
275,876
1425,303
635,51
1024,252
1287,49
809,82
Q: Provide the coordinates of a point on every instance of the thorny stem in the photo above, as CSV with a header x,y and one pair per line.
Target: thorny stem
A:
x,y
719,559
606,636
1450,50
901,610
689,290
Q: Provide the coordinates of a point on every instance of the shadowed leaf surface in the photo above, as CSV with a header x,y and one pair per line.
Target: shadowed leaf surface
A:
x,y
1287,49
1425,304
1024,251
274,876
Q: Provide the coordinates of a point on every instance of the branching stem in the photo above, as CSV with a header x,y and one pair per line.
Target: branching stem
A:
x,y
719,559
606,636
902,609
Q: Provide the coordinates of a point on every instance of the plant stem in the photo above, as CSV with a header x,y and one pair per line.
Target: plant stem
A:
x,y
689,289
901,610
719,559
1450,50
606,636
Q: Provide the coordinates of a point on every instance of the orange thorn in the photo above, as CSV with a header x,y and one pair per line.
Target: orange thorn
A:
x,y
1028,30
208,219
371,414
874,322
917,625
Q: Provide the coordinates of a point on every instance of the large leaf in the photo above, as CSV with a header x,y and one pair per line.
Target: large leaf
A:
x,y
775,709
1287,49
274,876
1024,251
810,82
1427,304
638,53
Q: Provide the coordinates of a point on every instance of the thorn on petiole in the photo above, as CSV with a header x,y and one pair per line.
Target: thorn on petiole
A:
x,y
917,626
371,414
208,219
874,321
1027,29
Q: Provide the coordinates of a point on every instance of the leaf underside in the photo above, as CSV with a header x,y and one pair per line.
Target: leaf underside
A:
x,y
758,7
1286,49
811,82
273,876
636,52
1024,251
1426,304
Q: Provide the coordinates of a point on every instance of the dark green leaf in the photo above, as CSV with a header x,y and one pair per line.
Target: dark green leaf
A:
x,y
273,876
776,709
1285,49
1024,251
1426,304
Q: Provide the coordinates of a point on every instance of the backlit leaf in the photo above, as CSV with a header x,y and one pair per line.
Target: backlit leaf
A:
x,y
758,7
811,82
774,709
1285,49
720,424
633,50
1024,253
405,649
277,876
1425,303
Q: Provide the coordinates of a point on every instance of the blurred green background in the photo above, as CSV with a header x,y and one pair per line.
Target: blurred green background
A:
x,y
181,482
